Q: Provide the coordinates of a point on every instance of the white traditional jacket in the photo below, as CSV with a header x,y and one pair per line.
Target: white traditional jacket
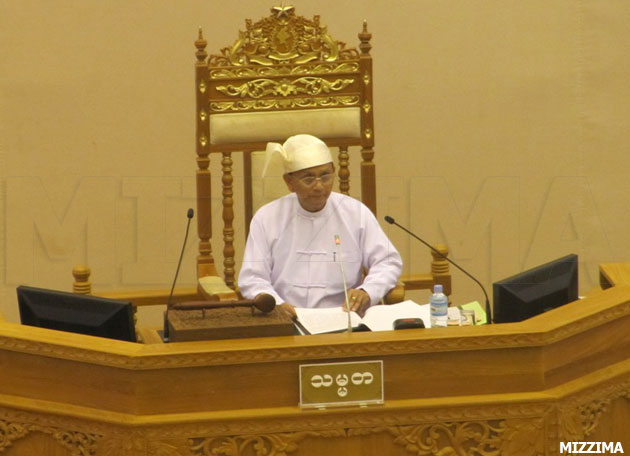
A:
x,y
291,253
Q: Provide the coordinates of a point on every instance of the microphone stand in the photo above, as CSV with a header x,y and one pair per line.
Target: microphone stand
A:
x,y
391,221
166,336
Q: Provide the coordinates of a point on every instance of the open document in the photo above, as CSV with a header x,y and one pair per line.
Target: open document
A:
x,y
376,318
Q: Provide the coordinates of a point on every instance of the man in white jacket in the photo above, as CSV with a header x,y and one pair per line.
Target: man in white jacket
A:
x,y
296,243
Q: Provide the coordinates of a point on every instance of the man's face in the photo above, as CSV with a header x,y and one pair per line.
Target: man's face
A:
x,y
312,185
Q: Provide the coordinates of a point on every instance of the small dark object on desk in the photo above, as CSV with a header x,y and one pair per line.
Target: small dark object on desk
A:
x,y
408,323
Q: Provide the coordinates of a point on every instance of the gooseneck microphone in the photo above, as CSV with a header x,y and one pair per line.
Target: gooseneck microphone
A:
x,y
391,221
190,215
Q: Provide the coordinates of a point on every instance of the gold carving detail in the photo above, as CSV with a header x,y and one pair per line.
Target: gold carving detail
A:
x,y
319,68
282,11
283,37
202,87
368,133
508,437
78,443
10,432
262,87
366,78
580,417
283,103
203,140
367,106
137,444
493,430
258,445
512,437
203,115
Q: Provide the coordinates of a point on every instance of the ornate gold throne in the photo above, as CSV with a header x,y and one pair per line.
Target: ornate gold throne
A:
x,y
284,75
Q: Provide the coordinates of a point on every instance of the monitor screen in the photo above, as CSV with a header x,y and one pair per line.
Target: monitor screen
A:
x,y
83,314
536,290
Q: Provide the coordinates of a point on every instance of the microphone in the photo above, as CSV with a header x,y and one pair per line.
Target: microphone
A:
x,y
345,286
391,221
190,215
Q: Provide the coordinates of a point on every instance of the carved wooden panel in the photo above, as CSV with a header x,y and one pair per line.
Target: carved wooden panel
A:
x,y
75,443
587,415
61,396
506,428
513,437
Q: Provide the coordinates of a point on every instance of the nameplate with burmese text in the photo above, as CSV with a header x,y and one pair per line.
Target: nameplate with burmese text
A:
x,y
341,384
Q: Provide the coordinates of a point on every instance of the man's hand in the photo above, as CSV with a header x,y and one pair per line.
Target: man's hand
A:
x,y
358,299
287,309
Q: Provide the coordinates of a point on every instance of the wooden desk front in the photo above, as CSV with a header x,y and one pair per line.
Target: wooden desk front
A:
x,y
510,389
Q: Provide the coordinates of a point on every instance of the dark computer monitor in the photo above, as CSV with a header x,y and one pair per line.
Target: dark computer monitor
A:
x,y
536,290
83,314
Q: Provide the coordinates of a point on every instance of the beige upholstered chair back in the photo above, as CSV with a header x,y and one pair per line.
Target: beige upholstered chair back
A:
x,y
284,75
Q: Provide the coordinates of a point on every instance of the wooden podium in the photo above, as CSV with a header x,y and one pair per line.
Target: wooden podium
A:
x,y
509,389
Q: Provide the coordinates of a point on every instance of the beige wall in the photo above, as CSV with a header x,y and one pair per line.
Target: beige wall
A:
x,y
501,129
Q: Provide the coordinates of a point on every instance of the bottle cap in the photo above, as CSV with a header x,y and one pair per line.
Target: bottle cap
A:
x,y
437,288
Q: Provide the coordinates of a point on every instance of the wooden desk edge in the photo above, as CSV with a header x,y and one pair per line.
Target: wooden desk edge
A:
x,y
539,331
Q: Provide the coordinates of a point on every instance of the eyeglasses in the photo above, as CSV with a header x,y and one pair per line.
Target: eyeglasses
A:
x,y
309,181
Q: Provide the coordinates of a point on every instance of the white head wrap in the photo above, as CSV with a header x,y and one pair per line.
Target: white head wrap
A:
x,y
298,152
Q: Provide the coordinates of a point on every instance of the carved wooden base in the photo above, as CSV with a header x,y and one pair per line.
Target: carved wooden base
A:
x,y
511,427
519,389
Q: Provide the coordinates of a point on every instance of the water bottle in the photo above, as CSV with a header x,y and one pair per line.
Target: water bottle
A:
x,y
439,307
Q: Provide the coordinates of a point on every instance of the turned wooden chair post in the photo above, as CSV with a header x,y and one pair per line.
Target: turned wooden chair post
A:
x,y
81,284
440,269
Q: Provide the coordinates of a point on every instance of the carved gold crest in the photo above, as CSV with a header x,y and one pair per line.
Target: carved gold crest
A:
x,y
283,37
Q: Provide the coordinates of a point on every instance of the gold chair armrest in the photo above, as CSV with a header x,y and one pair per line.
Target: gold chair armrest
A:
x,y
396,294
